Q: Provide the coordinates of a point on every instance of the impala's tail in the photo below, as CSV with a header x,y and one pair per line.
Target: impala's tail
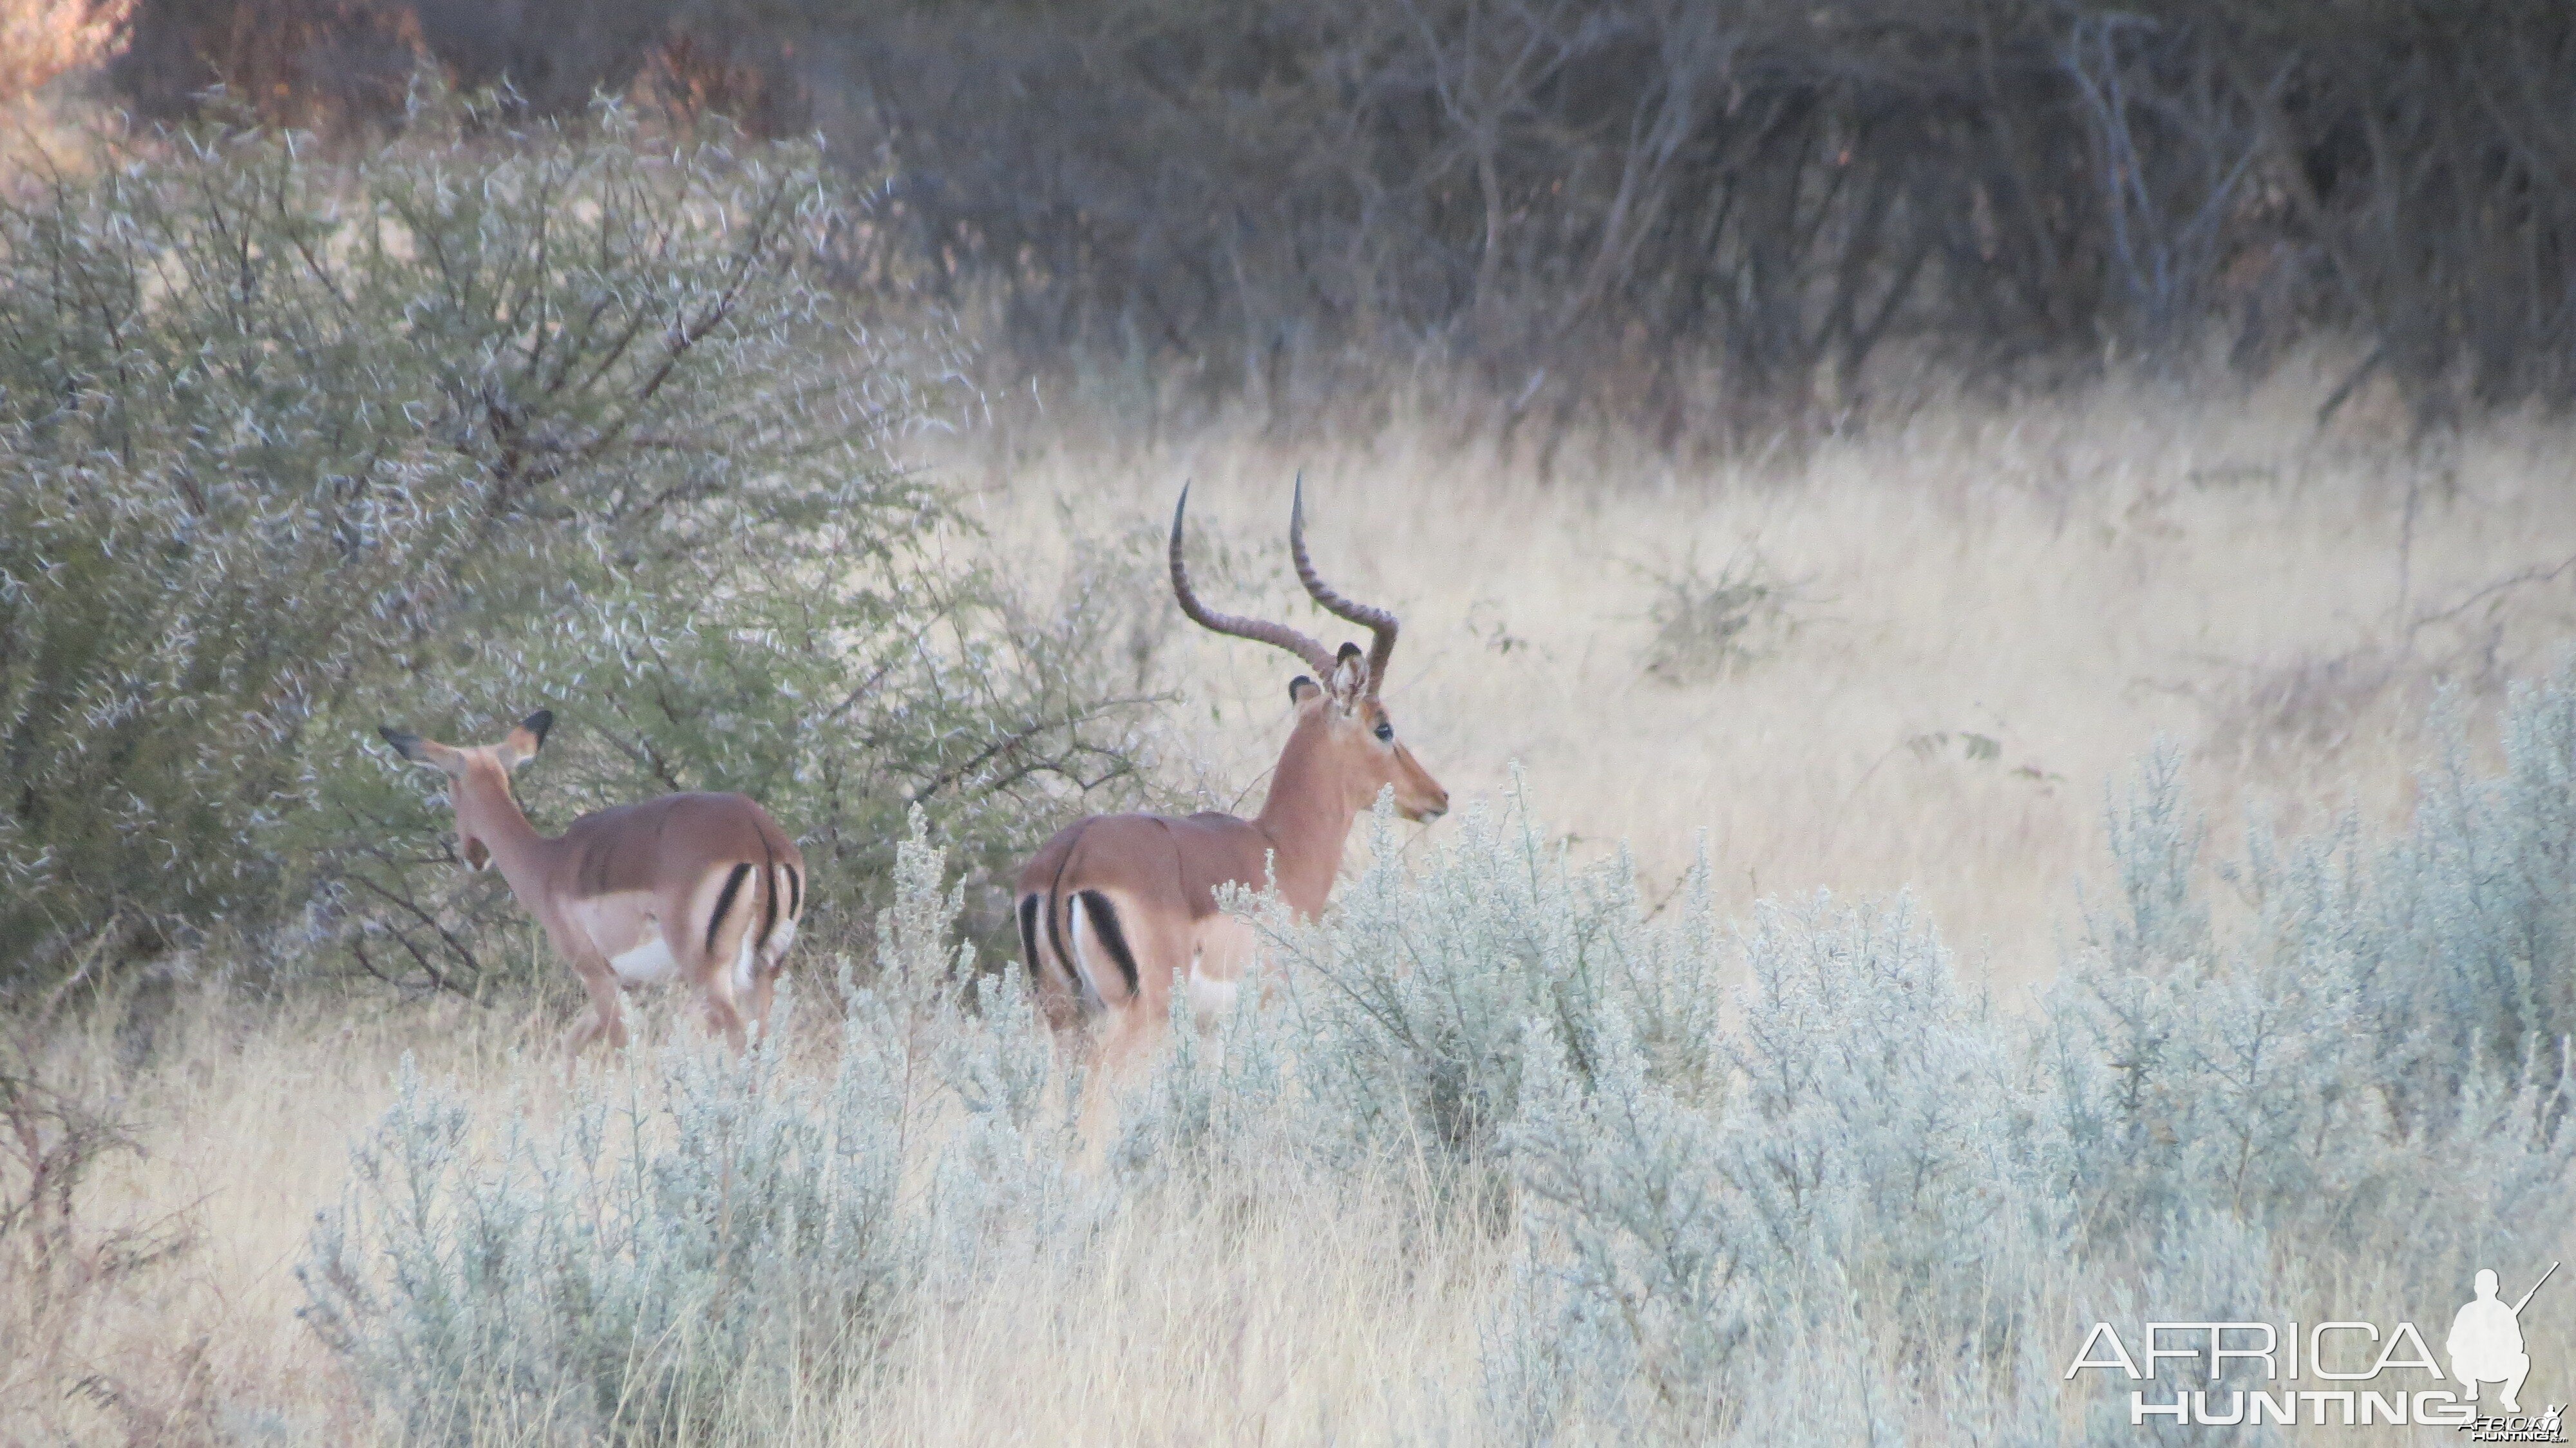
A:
x,y
781,904
785,878
1091,911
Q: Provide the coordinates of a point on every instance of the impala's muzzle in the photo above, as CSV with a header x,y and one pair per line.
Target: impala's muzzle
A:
x,y
1418,797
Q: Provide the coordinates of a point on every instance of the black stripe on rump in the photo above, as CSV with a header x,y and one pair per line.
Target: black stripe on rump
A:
x,y
724,903
1104,921
795,892
769,894
1029,934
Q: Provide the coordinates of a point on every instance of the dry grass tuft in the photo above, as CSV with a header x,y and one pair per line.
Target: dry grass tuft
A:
x,y
1305,1317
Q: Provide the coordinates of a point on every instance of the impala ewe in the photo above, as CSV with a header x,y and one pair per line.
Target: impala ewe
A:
x,y
705,887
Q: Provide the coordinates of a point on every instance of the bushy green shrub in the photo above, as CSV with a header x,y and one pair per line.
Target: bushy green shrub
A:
x,y
504,413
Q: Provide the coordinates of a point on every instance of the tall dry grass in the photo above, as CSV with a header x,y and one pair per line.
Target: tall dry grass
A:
x,y
1975,618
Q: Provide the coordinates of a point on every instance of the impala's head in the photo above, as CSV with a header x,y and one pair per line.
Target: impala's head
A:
x,y
1360,739
478,778
1357,737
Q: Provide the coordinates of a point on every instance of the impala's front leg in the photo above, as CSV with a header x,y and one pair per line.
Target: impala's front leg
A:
x,y
607,1008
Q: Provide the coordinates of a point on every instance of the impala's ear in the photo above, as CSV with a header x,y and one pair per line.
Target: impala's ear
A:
x,y
1301,689
423,751
1348,674
527,739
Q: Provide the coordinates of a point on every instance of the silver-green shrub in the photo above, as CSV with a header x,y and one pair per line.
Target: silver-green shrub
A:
x,y
1897,1225
1863,1167
1796,1182
635,1268
1417,996
2466,964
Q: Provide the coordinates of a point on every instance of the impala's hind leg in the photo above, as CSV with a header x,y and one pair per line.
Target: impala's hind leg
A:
x,y
719,961
722,978
764,994
1128,1034
725,1018
1130,962
1051,976
768,962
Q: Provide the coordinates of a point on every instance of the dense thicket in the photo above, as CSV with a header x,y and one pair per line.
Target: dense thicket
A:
x,y
1612,199
490,419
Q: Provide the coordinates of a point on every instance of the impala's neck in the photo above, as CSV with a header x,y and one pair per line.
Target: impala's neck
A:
x,y
1308,815
486,811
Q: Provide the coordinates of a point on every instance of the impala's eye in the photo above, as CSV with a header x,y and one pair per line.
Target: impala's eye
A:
x,y
1385,732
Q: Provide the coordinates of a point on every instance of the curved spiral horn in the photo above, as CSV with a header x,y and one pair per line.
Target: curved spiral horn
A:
x,y
1379,622
1279,635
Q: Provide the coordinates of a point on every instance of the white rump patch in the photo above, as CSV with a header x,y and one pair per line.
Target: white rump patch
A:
x,y
649,963
1212,999
744,960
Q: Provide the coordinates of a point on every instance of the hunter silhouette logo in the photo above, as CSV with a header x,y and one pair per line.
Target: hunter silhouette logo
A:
x,y
2486,1340
2342,1372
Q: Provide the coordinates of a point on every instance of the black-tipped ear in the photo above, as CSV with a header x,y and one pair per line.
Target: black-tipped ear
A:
x,y
1301,689
1349,672
405,743
525,740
